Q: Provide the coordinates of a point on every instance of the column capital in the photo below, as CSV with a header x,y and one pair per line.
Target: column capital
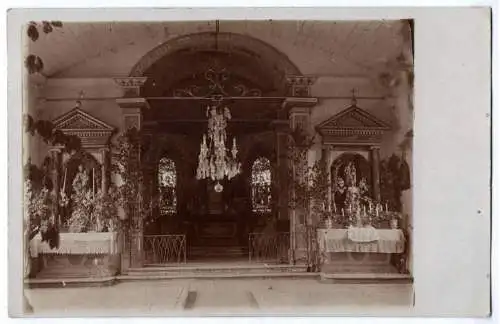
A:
x,y
374,147
300,85
130,85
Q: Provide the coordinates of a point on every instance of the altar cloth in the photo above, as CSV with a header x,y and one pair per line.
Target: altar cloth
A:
x,y
362,234
77,243
337,240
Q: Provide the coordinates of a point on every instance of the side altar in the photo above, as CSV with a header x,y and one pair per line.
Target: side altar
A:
x,y
83,255
358,232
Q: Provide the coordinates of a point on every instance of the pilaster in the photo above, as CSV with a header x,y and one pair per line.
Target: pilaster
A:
x,y
132,106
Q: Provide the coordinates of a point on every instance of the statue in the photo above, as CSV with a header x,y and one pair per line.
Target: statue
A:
x,y
339,195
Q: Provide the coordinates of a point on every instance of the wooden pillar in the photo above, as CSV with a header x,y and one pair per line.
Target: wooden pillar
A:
x,y
375,159
132,105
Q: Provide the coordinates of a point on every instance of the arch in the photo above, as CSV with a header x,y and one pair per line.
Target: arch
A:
x,y
261,177
167,186
226,42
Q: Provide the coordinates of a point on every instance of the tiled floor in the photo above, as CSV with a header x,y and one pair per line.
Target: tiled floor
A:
x,y
218,297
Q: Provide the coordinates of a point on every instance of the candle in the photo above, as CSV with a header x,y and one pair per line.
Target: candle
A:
x,y
64,181
386,209
377,211
93,181
342,212
364,210
334,207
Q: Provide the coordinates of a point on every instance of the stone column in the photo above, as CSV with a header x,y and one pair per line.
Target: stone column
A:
x,y
132,105
56,156
375,159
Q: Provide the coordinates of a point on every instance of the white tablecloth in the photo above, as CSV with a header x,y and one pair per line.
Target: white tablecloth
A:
x,y
77,243
337,240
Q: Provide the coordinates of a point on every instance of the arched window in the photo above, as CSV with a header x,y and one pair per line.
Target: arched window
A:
x,y
261,185
167,183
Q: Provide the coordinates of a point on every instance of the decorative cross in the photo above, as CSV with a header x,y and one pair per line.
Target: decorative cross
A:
x,y
217,34
79,101
353,100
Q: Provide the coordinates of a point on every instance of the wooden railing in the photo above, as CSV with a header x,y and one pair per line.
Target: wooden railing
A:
x,y
162,249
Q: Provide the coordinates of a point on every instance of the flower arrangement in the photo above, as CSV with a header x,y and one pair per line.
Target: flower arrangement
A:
x,y
38,214
92,211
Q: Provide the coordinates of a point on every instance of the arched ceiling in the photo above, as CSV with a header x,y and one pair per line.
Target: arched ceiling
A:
x,y
316,47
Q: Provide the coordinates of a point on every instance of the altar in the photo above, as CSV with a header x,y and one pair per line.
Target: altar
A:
x,y
338,240
352,250
83,255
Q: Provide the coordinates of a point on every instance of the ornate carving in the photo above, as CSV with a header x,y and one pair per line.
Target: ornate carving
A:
x,y
91,131
130,82
352,125
300,86
218,85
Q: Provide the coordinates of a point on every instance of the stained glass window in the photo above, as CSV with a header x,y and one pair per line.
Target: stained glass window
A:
x,y
167,183
261,185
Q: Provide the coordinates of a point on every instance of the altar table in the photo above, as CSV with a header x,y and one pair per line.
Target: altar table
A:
x,y
337,240
78,255
77,243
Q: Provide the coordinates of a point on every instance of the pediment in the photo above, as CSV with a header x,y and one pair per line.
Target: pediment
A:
x,y
352,125
354,117
92,132
79,119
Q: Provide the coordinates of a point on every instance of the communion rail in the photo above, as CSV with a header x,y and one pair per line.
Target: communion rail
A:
x,y
269,247
161,249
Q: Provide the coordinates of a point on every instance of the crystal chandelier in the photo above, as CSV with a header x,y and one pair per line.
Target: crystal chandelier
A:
x,y
215,161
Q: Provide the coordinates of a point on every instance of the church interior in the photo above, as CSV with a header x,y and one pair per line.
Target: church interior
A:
x,y
173,144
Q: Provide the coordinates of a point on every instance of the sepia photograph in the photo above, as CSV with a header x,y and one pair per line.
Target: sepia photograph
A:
x,y
218,167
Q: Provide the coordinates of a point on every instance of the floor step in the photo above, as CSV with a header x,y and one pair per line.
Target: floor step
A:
x,y
213,269
131,277
364,278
